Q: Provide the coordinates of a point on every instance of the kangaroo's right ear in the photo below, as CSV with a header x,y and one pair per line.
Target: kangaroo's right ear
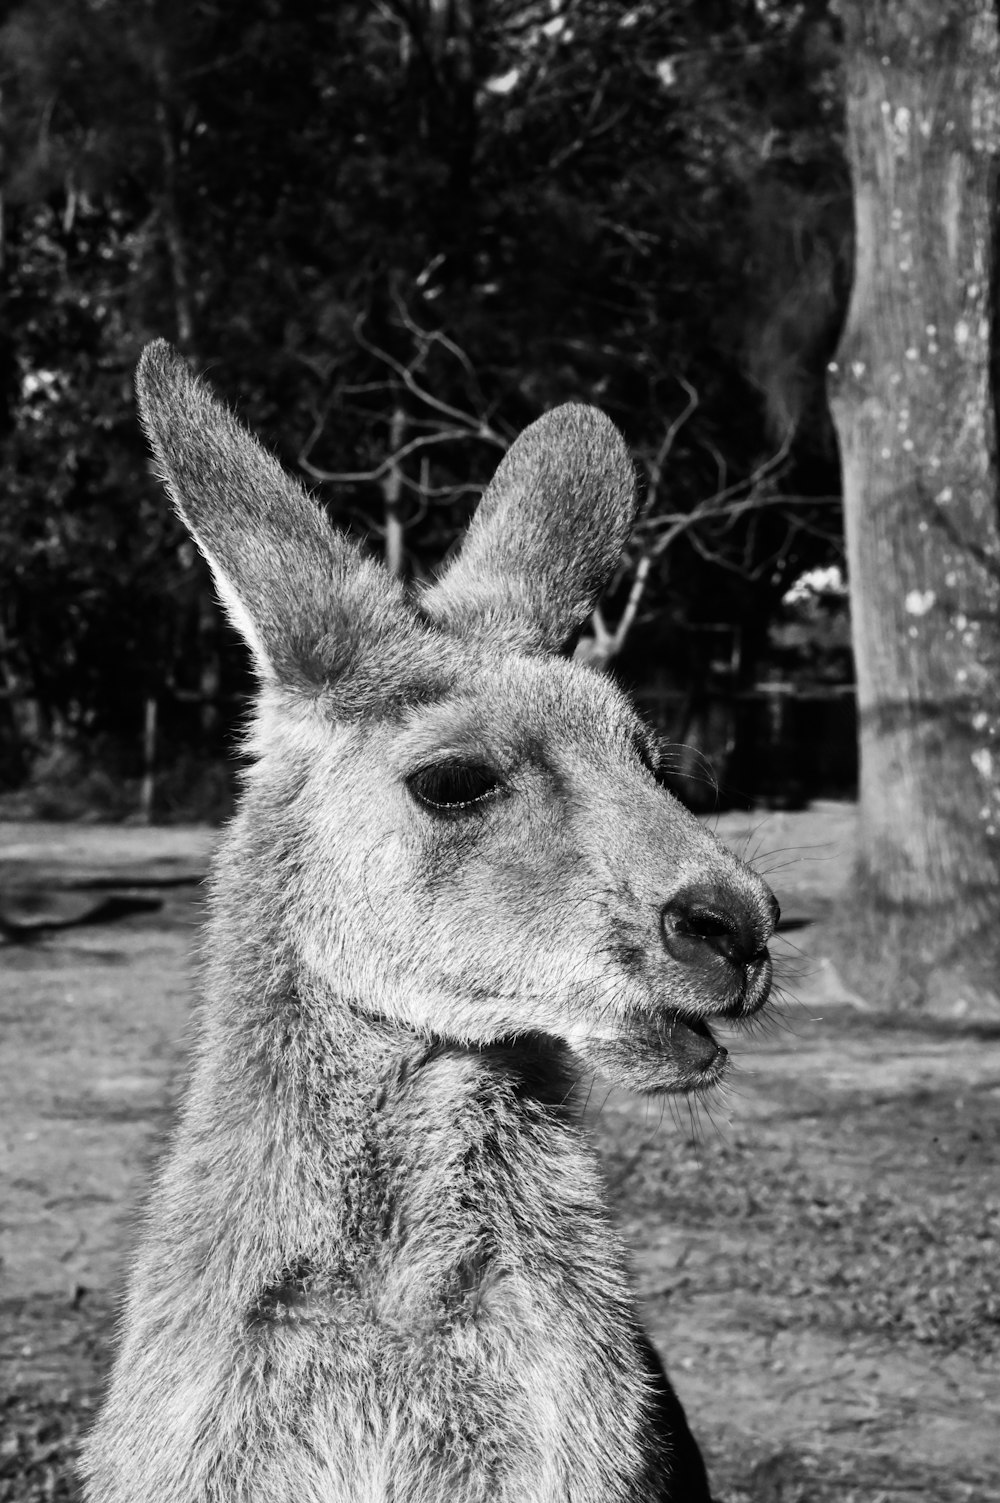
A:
x,y
312,608
546,537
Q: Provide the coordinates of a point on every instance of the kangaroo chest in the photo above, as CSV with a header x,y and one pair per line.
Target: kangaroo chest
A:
x,y
469,1325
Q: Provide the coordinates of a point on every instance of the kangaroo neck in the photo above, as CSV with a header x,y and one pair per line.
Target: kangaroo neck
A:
x,y
302,1061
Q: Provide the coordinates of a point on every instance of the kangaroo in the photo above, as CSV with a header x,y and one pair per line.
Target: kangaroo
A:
x,y
378,1264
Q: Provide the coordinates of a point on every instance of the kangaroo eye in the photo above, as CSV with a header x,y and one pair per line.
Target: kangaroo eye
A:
x,y
453,787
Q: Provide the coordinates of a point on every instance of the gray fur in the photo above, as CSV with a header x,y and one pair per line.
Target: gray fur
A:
x,y
377,1263
546,537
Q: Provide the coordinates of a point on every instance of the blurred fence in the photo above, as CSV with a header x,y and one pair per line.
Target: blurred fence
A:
x,y
777,744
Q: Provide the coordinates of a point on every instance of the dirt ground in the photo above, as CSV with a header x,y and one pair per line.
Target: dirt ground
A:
x,y
818,1252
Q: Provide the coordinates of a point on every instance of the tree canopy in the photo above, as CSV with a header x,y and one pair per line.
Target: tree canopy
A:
x,y
394,234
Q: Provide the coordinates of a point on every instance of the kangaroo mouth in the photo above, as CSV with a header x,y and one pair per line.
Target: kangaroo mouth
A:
x,y
670,1052
688,1046
663,1049
693,1051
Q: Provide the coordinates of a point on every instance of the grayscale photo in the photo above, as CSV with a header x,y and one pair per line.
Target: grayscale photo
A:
x,y
499,751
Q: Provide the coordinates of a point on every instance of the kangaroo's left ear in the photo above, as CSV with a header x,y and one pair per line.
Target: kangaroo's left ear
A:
x,y
546,537
315,611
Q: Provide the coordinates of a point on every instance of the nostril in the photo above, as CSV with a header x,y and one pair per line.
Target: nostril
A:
x,y
775,913
715,931
699,919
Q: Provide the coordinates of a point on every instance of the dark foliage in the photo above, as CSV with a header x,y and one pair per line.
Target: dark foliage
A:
x,y
393,235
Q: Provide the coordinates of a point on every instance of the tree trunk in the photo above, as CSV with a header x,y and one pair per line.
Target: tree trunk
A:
x,y
26,712
392,493
913,408
173,235
210,669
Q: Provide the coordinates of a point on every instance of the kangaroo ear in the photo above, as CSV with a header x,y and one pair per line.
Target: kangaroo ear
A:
x,y
312,608
546,536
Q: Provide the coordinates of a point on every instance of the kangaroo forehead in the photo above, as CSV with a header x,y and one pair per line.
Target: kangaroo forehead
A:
x,y
512,710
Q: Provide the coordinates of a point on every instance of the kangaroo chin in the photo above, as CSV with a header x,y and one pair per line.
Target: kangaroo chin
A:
x,y
377,1261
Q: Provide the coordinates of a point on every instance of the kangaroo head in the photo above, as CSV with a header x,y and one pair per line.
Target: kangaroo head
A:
x,y
449,825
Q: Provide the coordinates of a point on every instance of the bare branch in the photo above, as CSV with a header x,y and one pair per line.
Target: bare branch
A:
x,y
391,460
654,466
473,425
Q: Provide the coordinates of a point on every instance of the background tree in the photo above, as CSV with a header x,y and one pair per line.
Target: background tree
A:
x,y
395,234
916,421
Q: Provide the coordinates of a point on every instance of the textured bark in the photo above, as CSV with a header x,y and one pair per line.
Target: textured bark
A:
x,y
912,405
174,239
392,495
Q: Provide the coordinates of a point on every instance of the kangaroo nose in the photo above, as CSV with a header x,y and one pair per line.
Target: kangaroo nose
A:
x,y
707,918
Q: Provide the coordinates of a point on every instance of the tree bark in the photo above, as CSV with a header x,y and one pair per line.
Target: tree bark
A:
x,y
392,493
164,97
911,399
